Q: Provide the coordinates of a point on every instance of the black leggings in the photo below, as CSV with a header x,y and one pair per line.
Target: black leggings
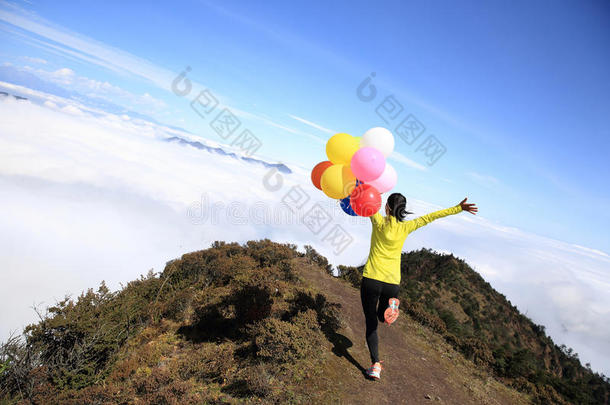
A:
x,y
373,292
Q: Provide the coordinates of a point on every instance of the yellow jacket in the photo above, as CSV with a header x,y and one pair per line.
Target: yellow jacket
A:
x,y
387,240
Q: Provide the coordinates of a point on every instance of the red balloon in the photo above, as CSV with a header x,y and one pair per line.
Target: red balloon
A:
x,y
365,200
316,173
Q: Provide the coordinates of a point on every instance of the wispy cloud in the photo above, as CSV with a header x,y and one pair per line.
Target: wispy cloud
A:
x,y
269,121
313,124
38,61
589,250
484,179
399,157
88,49
83,48
67,78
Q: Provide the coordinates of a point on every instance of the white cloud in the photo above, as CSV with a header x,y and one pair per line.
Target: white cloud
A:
x,y
313,124
92,196
95,196
50,104
68,79
70,109
64,73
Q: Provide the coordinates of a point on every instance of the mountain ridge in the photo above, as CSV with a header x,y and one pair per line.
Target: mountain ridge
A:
x,y
198,145
260,322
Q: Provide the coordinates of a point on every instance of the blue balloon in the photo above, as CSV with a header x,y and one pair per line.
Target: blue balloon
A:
x,y
347,207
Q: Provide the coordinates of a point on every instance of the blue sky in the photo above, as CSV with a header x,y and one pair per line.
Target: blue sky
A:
x,y
517,93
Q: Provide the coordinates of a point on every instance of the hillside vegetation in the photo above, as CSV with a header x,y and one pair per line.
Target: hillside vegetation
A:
x,y
238,323
218,325
443,292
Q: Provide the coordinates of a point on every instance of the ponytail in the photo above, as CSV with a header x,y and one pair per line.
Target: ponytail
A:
x,y
398,206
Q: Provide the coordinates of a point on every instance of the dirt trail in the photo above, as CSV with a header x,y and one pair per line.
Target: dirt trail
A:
x,y
418,367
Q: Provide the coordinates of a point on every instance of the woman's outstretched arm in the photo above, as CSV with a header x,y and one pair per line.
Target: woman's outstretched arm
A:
x,y
426,219
472,208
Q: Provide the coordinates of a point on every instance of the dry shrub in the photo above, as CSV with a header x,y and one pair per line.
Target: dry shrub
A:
x,y
251,381
253,303
224,268
284,342
547,395
224,316
97,394
418,313
316,258
268,253
328,313
176,305
149,381
173,393
144,351
125,368
158,386
208,363
477,351
352,275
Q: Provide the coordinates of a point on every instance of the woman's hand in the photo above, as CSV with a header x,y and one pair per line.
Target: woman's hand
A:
x,y
472,208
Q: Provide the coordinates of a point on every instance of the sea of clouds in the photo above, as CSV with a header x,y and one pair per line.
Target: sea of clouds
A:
x,y
87,196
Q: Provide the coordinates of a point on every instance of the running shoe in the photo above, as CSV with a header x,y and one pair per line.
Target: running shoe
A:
x,y
391,313
374,371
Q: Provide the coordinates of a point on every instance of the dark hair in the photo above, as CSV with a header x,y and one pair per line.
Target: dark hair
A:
x,y
398,206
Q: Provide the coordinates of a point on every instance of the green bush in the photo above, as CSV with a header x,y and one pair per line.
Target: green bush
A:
x,y
452,324
417,312
497,333
352,275
317,259
287,342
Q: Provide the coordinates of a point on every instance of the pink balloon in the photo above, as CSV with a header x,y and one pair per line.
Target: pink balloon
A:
x,y
386,181
367,163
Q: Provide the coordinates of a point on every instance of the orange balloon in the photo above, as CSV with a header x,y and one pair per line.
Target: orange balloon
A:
x,y
318,170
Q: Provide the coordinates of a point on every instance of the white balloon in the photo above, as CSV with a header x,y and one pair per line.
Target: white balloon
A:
x,y
379,138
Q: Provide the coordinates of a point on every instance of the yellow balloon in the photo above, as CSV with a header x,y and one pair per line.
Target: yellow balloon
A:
x,y
338,181
341,147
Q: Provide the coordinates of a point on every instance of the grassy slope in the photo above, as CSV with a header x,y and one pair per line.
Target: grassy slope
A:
x,y
263,322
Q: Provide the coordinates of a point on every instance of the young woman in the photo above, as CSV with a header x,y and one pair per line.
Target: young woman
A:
x,y
381,276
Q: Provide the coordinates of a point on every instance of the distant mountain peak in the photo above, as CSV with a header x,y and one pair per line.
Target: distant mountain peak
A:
x,y
199,145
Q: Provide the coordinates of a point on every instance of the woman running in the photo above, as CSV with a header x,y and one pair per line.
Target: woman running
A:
x,y
381,276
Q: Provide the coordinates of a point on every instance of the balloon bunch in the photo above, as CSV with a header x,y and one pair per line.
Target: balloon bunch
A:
x,y
356,171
